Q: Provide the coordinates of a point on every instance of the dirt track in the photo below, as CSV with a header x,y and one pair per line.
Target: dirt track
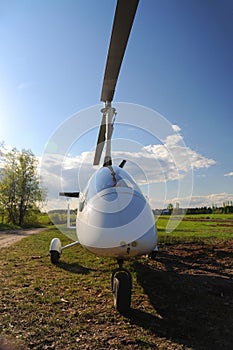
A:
x,y
10,237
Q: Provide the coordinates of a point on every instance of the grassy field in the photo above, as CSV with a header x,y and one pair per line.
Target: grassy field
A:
x,y
197,227
181,301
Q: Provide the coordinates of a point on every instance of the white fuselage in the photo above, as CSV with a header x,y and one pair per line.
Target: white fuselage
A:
x,y
114,218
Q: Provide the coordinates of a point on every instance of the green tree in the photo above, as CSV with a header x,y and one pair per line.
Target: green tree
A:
x,y
170,207
20,191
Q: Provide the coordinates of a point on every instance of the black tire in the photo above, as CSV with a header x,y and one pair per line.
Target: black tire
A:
x,y
122,287
152,255
54,257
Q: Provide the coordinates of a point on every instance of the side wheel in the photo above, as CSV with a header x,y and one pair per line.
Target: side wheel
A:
x,y
54,257
122,287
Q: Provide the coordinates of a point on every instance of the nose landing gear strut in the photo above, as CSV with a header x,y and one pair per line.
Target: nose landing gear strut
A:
x,y
121,284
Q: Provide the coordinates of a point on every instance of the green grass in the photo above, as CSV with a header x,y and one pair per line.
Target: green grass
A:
x,y
70,306
40,302
196,227
44,219
211,216
39,220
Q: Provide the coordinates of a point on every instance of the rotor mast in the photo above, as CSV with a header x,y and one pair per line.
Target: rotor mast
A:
x,y
110,114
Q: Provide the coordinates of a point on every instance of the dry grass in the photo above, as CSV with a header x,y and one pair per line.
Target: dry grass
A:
x,y
181,301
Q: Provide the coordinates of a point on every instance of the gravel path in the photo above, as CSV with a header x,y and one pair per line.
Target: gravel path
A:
x,y
10,237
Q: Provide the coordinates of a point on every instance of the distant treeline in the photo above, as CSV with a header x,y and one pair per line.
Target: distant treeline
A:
x,y
226,208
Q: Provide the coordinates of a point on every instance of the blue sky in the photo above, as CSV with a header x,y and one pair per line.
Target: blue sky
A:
x,y
179,62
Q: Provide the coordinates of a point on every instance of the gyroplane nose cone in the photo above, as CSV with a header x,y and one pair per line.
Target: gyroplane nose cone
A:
x,y
114,216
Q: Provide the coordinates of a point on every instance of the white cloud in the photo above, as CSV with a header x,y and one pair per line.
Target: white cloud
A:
x,y
176,128
177,158
216,199
229,174
151,164
172,140
211,199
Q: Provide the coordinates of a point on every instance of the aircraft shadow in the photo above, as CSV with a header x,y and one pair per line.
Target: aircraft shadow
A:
x,y
74,268
194,310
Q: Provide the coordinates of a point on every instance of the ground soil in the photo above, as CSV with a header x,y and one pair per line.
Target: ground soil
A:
x,y
190,285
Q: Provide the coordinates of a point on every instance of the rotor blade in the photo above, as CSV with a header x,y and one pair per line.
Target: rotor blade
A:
x,y
101,141
123,21
122,164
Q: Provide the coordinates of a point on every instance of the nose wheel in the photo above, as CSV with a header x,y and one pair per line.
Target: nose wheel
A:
x,y
121,283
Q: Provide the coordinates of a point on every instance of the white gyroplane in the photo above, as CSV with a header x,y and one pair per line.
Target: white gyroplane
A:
x,y
114,218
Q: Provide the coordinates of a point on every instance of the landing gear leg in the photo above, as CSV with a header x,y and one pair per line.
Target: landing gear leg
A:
x,y
121,283
153,255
